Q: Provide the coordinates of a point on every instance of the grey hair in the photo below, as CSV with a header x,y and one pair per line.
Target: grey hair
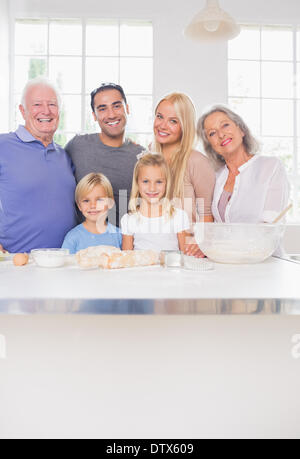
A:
x,y
40,81
250,143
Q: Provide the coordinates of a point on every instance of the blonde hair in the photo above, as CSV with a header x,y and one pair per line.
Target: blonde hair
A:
x,y
155,160
88,183
186,114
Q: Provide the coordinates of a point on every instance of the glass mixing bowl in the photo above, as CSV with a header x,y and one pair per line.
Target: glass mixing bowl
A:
x,y
238,242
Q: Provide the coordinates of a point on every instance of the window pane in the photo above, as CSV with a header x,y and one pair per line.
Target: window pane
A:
x,y
136,39
102,38
141,139
244,78
298,149
62,138
246,45
249,110
66,73
18,118
31,37
141,114
277,118
281,148
91,125
277,80
101,70
277,43
27,68
70,116
136,75
65,37
298,45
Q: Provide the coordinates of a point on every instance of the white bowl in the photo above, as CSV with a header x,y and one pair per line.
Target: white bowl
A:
x,y
50,258
238,242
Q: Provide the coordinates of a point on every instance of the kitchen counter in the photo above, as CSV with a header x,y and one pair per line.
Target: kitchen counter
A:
x,y
150,352
31,289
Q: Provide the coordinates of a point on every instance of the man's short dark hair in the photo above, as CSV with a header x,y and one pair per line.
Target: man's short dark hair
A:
x,y
106,87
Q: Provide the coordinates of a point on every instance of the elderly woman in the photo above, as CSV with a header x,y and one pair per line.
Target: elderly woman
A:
x,y
249,188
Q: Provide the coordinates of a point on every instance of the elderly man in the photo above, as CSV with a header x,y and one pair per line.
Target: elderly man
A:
x,y
36,177
108,152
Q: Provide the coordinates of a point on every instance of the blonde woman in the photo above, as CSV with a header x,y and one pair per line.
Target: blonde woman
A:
x,y
152,221
193,177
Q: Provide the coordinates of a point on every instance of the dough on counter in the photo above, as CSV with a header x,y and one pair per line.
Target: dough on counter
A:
x,y
129,259
89,258
108,257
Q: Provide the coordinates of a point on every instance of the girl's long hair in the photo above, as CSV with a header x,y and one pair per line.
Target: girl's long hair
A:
x,y
156,160
185,112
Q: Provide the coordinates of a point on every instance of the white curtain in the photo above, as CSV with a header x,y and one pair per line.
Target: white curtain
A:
x,y
4,65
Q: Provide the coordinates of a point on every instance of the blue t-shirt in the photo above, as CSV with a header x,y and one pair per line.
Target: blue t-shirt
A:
x,y
80,238
37,188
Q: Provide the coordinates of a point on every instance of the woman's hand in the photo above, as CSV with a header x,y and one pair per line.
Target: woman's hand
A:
x,y
193,251
187,245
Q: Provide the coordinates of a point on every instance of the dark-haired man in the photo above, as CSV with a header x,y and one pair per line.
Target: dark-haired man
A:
x,y
107,152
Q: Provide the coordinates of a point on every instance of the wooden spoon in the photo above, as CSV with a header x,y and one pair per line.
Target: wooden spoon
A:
x,y
282,214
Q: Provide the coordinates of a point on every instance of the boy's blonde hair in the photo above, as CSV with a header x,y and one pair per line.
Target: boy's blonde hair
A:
x,y
155,160
88,183
186,114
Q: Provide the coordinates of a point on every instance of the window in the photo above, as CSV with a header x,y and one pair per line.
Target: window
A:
x,y
78,55
264,88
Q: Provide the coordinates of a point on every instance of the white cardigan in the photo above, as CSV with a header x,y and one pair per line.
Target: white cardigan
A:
x,y
260,193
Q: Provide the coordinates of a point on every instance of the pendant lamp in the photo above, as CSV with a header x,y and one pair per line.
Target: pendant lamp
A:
x,y
212,24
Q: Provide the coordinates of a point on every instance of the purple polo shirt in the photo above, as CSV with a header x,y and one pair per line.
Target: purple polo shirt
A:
x,y
37,188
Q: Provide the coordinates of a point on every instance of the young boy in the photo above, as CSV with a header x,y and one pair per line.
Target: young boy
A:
x,y
94,197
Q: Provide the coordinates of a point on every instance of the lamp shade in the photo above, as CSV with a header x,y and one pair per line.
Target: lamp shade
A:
x,y
212,24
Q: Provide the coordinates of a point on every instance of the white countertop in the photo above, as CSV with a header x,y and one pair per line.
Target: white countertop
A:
x,y
273,278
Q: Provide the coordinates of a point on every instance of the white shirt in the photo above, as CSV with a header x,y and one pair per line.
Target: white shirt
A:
x,y
155,233
260,193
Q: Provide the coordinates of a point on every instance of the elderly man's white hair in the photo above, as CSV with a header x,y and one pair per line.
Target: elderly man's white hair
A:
x,y
40,81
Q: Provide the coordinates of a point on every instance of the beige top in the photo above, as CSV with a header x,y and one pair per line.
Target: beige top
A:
x,y
199,184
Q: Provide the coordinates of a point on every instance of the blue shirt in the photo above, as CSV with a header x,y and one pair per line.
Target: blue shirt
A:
x,y
37,188
80,238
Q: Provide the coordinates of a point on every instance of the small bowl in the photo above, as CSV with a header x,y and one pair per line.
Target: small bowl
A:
x,y
50,258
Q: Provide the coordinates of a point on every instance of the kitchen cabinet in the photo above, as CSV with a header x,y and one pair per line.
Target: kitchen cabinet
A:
x,y
150,352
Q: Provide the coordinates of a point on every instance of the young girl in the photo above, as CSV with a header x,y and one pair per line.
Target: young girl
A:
x,y
94,197
152,221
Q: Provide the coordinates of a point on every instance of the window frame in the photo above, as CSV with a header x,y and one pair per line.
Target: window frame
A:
x,y
83,55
